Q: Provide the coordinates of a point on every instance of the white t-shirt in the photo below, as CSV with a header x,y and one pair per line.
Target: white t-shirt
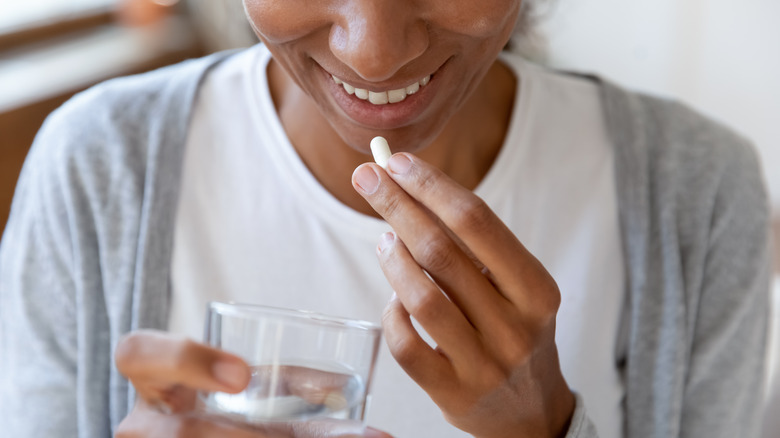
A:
x,y
253,225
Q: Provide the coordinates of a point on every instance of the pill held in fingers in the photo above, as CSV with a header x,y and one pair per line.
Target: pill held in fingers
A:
x,y
381,151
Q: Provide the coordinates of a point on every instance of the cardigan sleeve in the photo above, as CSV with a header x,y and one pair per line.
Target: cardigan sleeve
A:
x,y
58,254
38,329
724,383
695,219
80,260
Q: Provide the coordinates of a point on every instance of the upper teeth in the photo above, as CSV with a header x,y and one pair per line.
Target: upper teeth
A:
x,y
383,97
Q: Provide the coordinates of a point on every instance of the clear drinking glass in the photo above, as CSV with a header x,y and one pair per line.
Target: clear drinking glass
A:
x,y
305,366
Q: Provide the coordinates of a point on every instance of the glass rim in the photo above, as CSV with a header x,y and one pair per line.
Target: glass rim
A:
x,y
253,310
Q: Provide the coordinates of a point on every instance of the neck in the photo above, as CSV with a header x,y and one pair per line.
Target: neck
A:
x,y
476,132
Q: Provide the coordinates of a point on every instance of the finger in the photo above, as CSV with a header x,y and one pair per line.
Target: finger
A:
x,y
174,399
426,366
144,422
431,247
328,428
425,302
157,362
475,224
478,263
315,428
317,386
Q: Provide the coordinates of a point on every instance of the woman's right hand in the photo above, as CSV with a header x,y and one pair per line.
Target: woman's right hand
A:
x,y
168,371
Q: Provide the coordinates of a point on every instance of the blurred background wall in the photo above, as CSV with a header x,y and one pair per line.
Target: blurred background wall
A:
x,y
721,57
51,49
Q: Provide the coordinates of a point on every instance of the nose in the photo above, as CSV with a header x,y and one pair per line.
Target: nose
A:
x,y
376,38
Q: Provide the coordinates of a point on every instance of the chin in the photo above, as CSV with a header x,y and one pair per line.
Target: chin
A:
x,y
398,141
406,139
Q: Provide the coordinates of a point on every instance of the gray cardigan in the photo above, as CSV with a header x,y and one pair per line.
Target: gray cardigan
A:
x,y
87,250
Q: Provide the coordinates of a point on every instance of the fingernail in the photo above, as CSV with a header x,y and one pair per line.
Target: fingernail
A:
x,y
393,297
386,240
366,179
399,164
230,373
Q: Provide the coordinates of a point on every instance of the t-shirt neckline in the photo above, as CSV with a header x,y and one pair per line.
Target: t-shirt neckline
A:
x,y
320,201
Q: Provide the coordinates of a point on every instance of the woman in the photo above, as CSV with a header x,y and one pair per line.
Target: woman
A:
x,y
603,255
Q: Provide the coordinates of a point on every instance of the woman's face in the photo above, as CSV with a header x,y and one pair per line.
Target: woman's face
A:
x,y
417,60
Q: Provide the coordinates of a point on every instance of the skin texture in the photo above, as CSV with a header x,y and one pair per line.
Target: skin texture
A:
x,y
469,113
495,372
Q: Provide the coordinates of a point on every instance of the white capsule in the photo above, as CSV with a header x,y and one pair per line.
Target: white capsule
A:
x,y
381,151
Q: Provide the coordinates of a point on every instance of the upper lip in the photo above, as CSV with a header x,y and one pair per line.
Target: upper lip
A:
x,y
392,84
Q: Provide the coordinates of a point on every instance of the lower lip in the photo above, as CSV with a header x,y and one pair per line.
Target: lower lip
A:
x,y
388,116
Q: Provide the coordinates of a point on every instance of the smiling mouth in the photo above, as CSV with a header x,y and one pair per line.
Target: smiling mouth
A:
x,y
383,97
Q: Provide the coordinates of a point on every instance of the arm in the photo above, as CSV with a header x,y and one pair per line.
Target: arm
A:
x,y
54,381
38,333
724,386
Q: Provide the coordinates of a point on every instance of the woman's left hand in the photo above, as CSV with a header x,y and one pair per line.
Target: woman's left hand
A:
x,y
490,306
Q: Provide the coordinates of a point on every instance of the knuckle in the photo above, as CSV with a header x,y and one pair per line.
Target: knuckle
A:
x,y
392,206
548,302
552,303
427,181
473,214
437,253
404,350
390,316
553,299
425,303
126,351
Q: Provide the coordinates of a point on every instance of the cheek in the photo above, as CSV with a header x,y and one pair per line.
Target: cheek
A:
x,y
481,19
280,21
